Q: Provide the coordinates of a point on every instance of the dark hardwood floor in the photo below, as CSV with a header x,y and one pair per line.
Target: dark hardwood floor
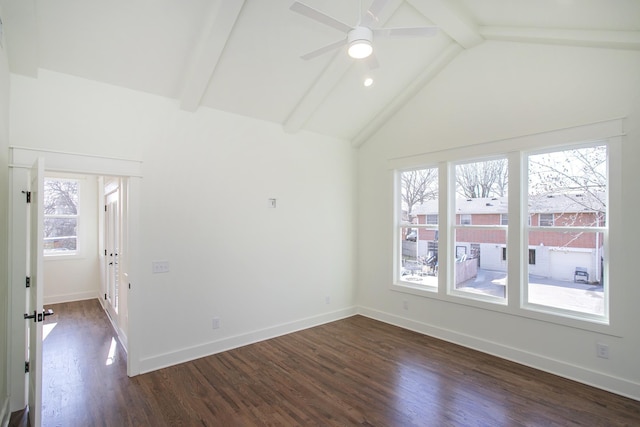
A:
x,y
355,371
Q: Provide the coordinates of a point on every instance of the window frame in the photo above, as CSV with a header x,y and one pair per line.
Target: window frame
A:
x,y
50,255
604,229
597,133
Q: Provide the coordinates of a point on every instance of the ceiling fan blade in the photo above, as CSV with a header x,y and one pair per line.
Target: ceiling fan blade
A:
x,y
371,15
321,17
372,61
406,32
324,49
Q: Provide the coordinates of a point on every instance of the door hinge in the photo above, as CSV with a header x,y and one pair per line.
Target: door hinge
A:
x,y
28,195
105,208
28,282
105,296
26,367
105,252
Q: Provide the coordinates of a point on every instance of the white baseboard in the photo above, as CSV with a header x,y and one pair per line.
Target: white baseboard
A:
x,y
5,414
191,353
561,368
77,296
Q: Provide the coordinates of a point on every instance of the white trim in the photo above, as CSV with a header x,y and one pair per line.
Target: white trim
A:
x,y
76,296
590,377
583,133
5,415
88,164
160,361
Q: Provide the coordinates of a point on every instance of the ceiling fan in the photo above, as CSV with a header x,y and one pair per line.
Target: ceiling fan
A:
x,y
359,39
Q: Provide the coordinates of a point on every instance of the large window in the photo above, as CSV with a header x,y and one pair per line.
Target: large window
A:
x,y
418,227
547,244
479,189
60,216
570,187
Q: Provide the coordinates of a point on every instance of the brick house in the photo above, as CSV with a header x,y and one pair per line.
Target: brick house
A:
x,y
554,254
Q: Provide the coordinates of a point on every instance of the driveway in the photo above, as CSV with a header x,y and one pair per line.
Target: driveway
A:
x,y
581,297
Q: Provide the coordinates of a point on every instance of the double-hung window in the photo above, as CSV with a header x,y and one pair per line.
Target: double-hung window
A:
x,y
60,216
481,273
570,187
418,227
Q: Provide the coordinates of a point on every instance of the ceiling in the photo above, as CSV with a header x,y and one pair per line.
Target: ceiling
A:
x,y
243,56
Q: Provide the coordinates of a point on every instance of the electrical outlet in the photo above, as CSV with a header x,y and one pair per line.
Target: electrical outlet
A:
x,y
327,300
405,305
159,267
602,350
215,323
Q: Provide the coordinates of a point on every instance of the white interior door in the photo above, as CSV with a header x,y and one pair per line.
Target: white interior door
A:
x,y
113,249
35,248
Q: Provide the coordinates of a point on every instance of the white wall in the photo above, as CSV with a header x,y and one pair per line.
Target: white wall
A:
x,y
203,208
4,265
499,90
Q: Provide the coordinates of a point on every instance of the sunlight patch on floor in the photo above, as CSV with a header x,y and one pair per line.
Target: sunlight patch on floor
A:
x,y
112,352
46,330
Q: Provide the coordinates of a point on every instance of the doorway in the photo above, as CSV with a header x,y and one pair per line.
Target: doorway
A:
x,y
20,162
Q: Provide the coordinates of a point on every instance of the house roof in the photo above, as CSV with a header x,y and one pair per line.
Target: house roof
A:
x,y
555,203
243,56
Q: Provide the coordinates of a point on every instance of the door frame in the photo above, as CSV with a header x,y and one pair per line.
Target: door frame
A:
x,y
20,161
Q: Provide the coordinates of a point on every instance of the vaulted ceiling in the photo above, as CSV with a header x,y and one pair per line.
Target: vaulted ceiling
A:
x,y
243,56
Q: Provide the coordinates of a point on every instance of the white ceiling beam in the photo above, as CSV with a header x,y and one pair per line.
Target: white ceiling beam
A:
x,y
208,51
328,79
455,23
21,36
594,38
428,74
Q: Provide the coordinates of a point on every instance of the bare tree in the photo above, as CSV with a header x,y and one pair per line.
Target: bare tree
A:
x,y
577,176
60,197
482,179
60,209
417,187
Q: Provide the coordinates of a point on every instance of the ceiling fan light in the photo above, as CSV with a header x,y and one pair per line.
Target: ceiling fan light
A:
x,y
359,41
359,49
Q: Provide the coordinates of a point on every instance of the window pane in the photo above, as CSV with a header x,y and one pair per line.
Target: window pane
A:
x,y
568,189
545,220
480,265
481,262
60,197
568,271
60,245
420,257
60,216
60,227
419,205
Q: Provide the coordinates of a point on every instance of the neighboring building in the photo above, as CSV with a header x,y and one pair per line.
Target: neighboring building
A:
x,y
555,254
